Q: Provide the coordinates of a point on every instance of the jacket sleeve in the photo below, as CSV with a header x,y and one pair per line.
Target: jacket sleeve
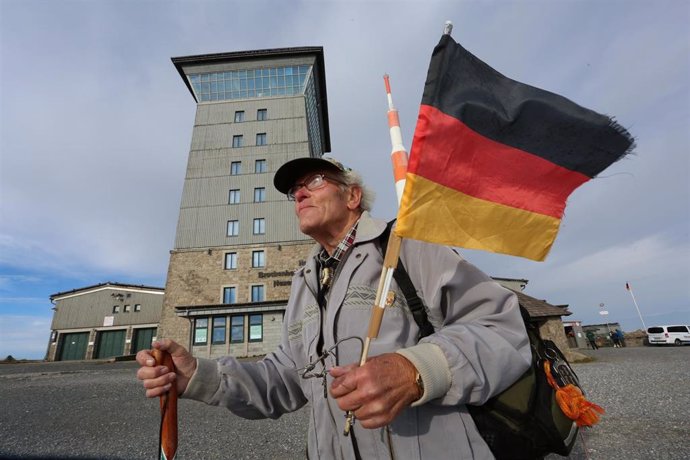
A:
x,y
263,389
480,345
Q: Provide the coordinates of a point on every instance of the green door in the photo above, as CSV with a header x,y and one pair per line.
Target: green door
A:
x,y
73,346
142,339
110,343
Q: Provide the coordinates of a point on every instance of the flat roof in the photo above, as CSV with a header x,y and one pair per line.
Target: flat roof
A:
x,y
235,56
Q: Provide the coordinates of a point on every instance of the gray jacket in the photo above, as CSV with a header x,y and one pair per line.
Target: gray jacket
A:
x,y
478,349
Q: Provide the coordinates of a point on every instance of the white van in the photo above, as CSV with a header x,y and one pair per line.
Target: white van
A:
x,y
663,335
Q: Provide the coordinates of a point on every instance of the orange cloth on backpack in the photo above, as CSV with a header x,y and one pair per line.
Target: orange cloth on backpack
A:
x,y
572,402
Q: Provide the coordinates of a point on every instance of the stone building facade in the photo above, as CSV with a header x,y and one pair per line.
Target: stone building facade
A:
x,y
238,242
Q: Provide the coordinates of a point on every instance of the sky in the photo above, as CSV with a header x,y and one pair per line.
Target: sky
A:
x,y
96,126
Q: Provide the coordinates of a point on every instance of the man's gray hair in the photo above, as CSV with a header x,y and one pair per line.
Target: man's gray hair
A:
x,y
351,177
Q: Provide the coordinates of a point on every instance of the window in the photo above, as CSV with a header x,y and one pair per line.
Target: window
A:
x,y
239,116
137,307
230,261
235,168
258,259
258,293
233,228
234,196
259,194
261,139
260,226
250,83
260,166
201,331
262,115
116,309
127,308
237,329
256,328
218,330
229,295
237,141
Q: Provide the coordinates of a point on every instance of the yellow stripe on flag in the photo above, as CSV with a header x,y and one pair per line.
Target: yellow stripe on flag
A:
x,y
437,214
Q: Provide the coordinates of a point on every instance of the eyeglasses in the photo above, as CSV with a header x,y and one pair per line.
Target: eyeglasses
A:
x,y
312,183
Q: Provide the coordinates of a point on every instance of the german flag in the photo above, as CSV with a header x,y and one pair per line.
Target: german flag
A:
x,y
493,160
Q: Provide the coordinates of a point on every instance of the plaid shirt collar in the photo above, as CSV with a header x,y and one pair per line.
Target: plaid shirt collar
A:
x,y
341,249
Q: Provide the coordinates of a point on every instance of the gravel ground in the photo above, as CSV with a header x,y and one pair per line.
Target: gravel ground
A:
x,y
97,410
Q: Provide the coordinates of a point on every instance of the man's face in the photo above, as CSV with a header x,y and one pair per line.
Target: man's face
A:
x,y
322,211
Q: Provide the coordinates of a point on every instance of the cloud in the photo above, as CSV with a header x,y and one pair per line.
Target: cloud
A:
x,y
24,337
628,261
96,124
8,282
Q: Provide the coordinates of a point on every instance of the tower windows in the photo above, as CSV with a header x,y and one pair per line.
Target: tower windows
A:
x,y
230,261
259,226
234,196
259,194
258,293
258,259
229,295
233,228
260,166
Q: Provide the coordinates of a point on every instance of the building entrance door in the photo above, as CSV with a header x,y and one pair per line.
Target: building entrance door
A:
x,y
73,346
110,343
142,339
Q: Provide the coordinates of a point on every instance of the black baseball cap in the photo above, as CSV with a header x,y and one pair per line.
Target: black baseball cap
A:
x,y
287,175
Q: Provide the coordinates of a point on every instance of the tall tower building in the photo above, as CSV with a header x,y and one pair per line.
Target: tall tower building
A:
x,y
237,241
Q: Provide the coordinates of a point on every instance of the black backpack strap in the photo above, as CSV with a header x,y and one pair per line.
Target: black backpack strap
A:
x,y
401,276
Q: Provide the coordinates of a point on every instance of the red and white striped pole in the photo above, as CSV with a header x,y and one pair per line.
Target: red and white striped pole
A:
x,y
398,153
390,261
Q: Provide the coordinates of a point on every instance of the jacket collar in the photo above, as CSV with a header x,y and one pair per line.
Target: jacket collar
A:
x,y
369,228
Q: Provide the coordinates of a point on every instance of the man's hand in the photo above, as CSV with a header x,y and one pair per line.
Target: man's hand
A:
x,y
158,379
377,391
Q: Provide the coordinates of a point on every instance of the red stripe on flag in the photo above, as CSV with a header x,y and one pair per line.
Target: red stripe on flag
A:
x,y
447,151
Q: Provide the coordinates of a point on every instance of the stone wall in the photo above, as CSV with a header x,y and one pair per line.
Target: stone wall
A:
x,y
552,329
197,277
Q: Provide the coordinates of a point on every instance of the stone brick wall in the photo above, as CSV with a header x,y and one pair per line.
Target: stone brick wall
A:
x,y
552,329
197,277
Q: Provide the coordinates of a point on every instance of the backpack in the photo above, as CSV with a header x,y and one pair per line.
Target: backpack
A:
x,y
524,421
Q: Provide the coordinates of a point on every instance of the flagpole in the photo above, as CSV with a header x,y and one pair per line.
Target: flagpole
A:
x,y
629,288
390,261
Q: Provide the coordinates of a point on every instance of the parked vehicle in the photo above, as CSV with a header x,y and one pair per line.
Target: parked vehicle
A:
x,y
668,335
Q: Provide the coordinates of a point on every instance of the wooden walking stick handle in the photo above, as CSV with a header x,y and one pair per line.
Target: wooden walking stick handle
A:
x,y
168,404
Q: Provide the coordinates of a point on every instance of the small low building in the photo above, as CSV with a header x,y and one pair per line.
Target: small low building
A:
x,y
103,321
548,319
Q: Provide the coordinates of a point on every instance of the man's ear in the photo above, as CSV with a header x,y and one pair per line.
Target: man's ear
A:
x,y
354,198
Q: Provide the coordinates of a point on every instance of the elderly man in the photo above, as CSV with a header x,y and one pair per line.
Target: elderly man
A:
x,y
410,397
